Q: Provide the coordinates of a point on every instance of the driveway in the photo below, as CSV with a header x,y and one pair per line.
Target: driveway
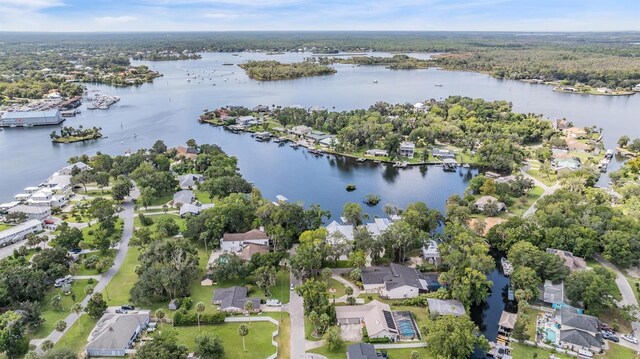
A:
x,y
296,313
351,332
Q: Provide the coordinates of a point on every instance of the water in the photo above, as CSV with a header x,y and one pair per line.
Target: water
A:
x,y
168,108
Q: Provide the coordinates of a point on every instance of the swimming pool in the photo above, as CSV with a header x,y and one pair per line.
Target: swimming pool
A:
x,y
406,326
550,335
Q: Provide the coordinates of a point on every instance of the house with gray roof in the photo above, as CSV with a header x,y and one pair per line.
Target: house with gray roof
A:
x,y
579,331
394,282
552,293
362,351
445,307
32,212
484,201
376,317
233,299
182,197
190,180
115,334
437,152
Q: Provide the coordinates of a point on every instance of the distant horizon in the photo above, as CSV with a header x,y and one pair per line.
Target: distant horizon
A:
x,y
317,31
125,16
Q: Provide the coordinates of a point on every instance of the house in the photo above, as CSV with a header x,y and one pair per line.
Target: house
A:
x,y
577,146
329,141
572,262
190,180
174,304
234,242
193,209
484,201
46,198
579,331
182,197
247,121
32,212
313,109
186,153
337,229
207,280
363,351
300,130
59,183
4,207
440,153
575,132
317,136
505,179
115,333
407,149
552,293
377,153
420,106
507,322
375,315
378,226
431,253
70,169
439,307
394,282
560,124
233,299
250,249
19,232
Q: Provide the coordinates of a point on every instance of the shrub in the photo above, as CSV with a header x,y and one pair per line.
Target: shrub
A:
x,y
182,317
351,187
90,262
351,300
372,199
144,220
187,303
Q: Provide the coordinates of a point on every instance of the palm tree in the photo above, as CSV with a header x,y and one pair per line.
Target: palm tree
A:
x,y
76,308
200,307
60,326
160,315
88,290
56,302
243,331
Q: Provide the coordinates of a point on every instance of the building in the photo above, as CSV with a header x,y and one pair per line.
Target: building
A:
x,y
579,331
484,201
575,132
394,282
377,153
329,141
378,226
234,242
552,293
114,334
247,121
560,124
19,232
445,307
317,136
507,322
431,253
577,146
32,212
69,170
31,118
190,180
420,107
363,351
182,197
407,149
250,249
233,299
437,152
376,316
46,198
340,230
59,183
186,153
572,262
300,130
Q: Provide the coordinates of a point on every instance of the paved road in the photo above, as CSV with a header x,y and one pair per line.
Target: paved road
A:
x,y
356,290
296,313
127,215
547,191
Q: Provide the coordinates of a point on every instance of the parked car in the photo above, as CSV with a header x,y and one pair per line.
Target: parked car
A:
x,y
610,336
630,338
121,311
273,303
62,281
76,250
128,307
292,287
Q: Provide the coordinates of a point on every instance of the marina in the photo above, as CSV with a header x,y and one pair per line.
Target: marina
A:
x,y
102,102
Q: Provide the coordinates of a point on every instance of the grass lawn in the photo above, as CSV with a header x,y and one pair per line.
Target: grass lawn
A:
x,y
161,200
284,336
526,352
89,236
202,197
258,342
392,353
4,226
50,315
308,330
181,222
339,264
97,193
522,204
339,287
76,338
617,351
549,181
111,253
533,315
117,291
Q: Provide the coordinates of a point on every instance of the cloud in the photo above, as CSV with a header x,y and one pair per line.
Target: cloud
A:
x,y
110,20
31,4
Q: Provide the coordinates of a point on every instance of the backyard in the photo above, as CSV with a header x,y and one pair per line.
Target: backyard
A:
x,y
50,315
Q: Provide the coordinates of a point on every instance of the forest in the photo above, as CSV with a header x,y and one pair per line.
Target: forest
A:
x,y
395,62
274,70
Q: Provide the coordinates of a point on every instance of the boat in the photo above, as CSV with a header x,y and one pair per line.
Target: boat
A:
x,y
294,145
280,144
466,165
507,267
609,153
361,159
438,85
375,81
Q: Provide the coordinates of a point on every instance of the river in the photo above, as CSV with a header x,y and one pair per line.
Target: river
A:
x,y
167,109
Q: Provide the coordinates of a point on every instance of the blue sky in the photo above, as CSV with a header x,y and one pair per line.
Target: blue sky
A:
x,y
225,15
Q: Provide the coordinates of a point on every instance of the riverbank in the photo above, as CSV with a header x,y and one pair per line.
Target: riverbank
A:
x,y
72,139
590,91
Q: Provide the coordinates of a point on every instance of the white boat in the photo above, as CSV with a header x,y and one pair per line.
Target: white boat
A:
x,y
375,81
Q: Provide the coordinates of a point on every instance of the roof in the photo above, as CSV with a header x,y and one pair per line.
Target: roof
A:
x,y
577,145
344,229
378,226
376,316
250,249
189,208
445,307
19,228
114,331
401,275
374,275
189,180
361,351
569,317
572,262
184,196
407,145
29,209
234,297
581,338
485,200
237,237
29,114
552,292
508,320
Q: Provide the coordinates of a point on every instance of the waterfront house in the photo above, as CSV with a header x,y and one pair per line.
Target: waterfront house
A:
x,y
574,145
233,299
378,226
420,107
59,183
249,249
505,179
4,207
574,263
261,108
190,180
187,153
234,242
431,253
376,317
572,163
300,130
115,334
363,351
560,124
440,153
579,331
377,153
316,136
439,307
247,121
341,230
73,168
313,109
552,293
30,118
46,198
407,149
19,232
507,322
182,197
575,132
484,201
32,212
394,282
329,141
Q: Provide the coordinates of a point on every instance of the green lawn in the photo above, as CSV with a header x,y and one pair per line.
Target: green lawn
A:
x,y
617,351
117,291
76,337
162,200
50,315
533,315
97,193
4,226
339,288
182,223
86,271
89,233
526,352
392,353
202,197
522,204
258,342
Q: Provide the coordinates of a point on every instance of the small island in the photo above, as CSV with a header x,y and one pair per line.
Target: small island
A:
x,y
274,70
70,134
396,62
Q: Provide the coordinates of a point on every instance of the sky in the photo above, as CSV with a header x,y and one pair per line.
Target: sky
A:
x,y
323,15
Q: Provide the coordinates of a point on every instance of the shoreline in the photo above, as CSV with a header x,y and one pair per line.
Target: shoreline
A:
x,y
73,140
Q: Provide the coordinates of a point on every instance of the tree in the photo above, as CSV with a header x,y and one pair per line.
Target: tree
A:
x,y
392,145
452,336
316,300
69,237
348,290
82,178
163,346
402,238
265,278
56,303
357,259
591,288
102,180
325,274
46,345
60,326
12,341
121,188
76,308
526,283
159,313
147,195
353,214
96,306
248,306
159,147
243,331
88,290
209,347
414,355
200,307
421,217
623,141
333,338
59,353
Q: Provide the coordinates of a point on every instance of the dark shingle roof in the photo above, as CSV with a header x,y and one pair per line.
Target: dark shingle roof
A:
x,y
361,351
234,297
374,275
581,338
401,275
570,317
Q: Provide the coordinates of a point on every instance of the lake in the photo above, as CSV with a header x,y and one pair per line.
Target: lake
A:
x,y
168,109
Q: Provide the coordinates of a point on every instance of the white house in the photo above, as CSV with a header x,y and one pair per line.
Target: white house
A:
x,y
431,253
376,316
234,242
407,149
377,153
300,130
345,230
378,226
486,200
246,121
190,180
68,170
394,282
115,333
32,212
59,183
19,232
